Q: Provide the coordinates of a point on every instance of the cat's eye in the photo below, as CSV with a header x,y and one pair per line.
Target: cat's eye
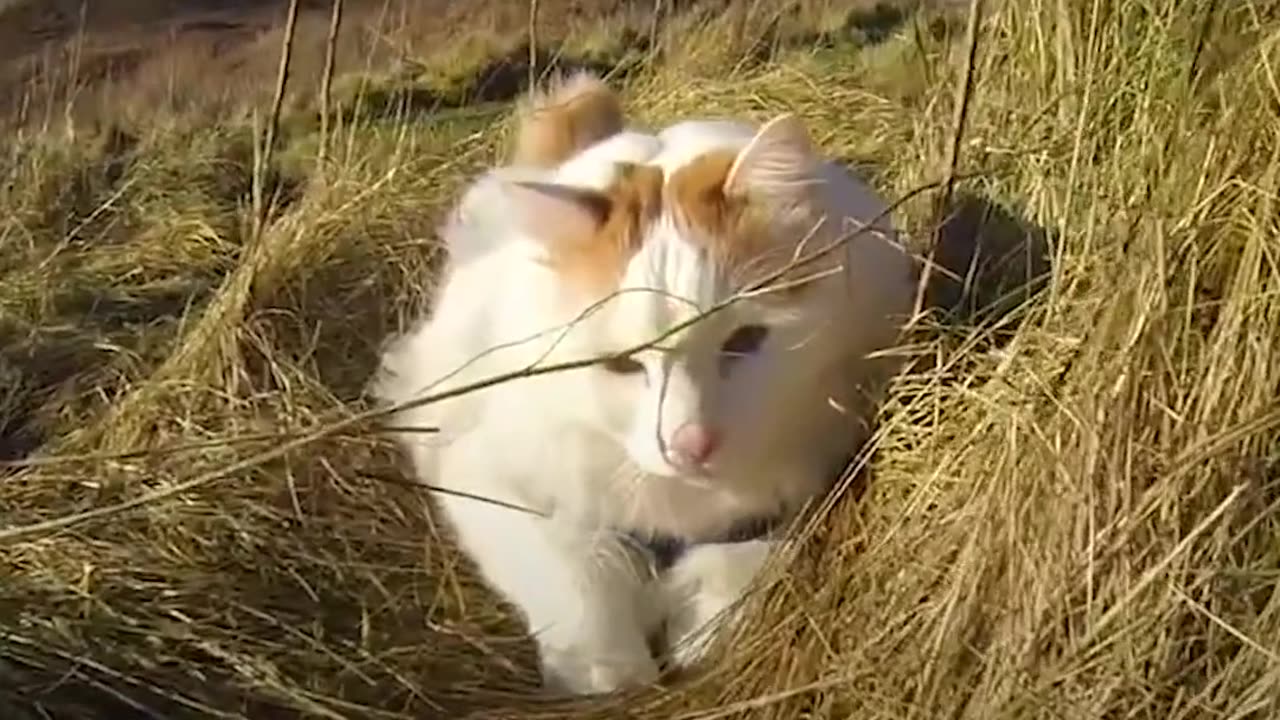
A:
x,y
622,365
746,340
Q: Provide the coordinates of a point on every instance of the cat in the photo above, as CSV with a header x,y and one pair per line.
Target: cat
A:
x,y
633,498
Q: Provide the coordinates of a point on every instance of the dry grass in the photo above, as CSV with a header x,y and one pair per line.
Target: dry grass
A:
x,y
1073,512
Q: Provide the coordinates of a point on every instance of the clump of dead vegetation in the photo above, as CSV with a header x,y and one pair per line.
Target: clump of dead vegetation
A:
x,y
1073,507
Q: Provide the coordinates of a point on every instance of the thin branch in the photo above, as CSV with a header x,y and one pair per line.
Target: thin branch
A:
x,y
263,159
174,449
326,80
428,487
72,85
533,46
655,26
57,524
959,120
961,117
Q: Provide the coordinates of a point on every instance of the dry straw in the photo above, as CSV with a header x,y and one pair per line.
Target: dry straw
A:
x,y
1072,507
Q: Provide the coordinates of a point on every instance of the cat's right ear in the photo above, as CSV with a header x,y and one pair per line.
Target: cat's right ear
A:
x,y
779,162
558,215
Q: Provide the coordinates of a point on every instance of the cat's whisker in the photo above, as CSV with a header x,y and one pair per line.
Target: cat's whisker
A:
x,y
759,268
698,483
637,499
625,483
608,553
802,342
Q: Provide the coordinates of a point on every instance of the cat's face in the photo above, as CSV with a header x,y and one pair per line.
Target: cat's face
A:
x,y
675,404
673,259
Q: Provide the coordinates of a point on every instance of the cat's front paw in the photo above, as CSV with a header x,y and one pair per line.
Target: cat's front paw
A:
x,y
702,594
691,629
575,672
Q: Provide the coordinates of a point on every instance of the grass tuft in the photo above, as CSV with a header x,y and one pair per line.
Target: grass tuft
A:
x,y
1072,511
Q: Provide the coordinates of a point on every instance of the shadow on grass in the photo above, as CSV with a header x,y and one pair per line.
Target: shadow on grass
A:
x,y
108,297
991,262
506,77
327,613
501,79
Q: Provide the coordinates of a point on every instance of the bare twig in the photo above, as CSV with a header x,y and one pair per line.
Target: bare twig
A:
x,y
428,487
326,80
963,95
961,117
72,88
533,46
174,449
51,525
655,25
263,159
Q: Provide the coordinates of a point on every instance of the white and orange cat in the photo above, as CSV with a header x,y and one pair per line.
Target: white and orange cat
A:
x,y
736,380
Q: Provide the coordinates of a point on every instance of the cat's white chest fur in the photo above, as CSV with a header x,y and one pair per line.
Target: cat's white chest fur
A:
x,y
619,249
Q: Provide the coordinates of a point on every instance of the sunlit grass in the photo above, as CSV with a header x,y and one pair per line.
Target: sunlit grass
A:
x,y
1072,513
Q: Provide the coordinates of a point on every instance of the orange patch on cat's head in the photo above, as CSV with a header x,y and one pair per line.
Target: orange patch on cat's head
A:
x,y
740,231
564,119
729,227
592,260
750,210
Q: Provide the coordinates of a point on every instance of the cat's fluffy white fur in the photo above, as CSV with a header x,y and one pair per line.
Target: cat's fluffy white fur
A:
x,y
586,450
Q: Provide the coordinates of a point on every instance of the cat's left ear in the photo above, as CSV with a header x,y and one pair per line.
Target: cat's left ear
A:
x,y
558,215
780,161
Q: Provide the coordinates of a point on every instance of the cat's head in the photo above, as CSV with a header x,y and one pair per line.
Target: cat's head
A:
x,y
688,278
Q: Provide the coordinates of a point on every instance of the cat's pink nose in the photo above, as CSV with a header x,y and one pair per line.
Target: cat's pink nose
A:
x,y
694,443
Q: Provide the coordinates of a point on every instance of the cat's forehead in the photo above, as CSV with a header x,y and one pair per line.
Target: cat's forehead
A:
x,y
670,228
668,282
732,232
